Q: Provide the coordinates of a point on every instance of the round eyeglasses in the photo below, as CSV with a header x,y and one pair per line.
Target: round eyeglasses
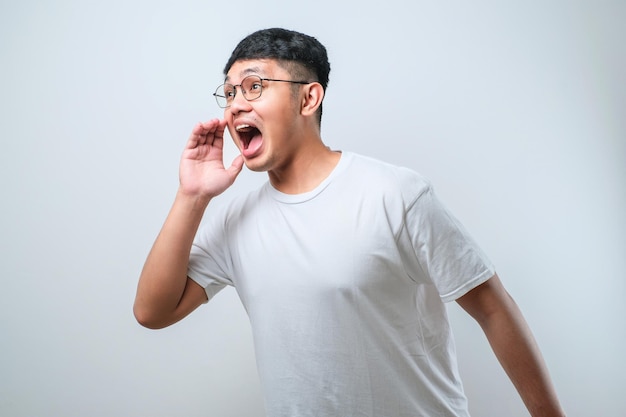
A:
x,y
251,87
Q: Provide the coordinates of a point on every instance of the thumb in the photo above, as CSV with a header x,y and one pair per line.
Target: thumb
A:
x,y
235,167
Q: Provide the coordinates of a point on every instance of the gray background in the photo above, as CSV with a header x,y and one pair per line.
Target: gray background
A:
x,y
515,110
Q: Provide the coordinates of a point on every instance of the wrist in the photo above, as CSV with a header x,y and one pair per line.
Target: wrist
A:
x,y
193,201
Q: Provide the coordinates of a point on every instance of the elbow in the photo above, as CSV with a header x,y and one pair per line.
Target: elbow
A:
x,y
146,319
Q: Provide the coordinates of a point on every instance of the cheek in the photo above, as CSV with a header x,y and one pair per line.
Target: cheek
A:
x,y
283,115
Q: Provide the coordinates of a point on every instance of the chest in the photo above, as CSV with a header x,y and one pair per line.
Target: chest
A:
x,y
350,248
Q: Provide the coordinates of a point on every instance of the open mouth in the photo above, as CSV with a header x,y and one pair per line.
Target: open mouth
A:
x,y
250,138
247,134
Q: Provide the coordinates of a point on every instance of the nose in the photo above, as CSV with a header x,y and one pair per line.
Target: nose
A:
x,y
239,103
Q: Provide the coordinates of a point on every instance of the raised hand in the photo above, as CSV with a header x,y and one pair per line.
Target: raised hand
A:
x,y
202,172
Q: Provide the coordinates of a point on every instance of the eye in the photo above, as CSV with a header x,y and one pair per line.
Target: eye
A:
x,y
252,85
229,91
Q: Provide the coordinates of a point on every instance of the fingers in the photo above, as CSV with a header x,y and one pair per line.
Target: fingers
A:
x,y
205,133
218,133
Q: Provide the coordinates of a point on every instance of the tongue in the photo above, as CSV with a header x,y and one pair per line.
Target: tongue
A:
x,y
253,146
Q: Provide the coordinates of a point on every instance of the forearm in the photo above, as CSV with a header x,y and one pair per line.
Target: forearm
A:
x,y
164,275
516,349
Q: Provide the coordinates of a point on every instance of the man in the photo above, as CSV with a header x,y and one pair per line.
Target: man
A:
x,y
342,262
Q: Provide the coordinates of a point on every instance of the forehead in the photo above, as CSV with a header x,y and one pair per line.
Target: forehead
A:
x,y
262,67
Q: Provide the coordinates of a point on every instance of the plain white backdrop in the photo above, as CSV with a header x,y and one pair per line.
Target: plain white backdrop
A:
x,y
515,110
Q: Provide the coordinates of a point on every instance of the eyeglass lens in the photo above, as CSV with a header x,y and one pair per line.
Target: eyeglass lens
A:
x,y
251,88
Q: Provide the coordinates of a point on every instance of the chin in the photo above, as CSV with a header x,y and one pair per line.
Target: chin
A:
x,y
256,165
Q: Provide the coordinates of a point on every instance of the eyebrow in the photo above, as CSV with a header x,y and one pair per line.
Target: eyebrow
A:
x,y
247,71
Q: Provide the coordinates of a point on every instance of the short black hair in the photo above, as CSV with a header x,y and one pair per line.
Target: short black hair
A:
x,y
286,46
302,55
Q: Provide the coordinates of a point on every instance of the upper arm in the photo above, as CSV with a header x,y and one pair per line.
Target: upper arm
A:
x,y
193,296
514,345
486,299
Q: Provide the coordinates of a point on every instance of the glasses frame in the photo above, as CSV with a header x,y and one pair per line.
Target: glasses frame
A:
x,y
219,96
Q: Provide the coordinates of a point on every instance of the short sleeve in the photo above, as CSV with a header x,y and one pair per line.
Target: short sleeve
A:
x,y
208,257
447,254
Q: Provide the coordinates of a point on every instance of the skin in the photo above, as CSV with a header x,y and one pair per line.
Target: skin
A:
x,y
296,160
292,153
164,293
514,345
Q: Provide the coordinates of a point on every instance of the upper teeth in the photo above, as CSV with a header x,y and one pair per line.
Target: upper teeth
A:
x,y
241,127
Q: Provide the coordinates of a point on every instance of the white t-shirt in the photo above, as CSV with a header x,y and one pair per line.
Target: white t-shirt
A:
x,y
344,287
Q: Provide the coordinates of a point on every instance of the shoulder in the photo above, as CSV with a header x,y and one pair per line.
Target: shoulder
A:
x,y
246,202
222,216
405,182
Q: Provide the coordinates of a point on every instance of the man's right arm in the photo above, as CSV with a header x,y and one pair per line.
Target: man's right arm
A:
x,y
165,294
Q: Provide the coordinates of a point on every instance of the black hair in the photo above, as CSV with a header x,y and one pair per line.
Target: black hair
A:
x,y
284,45
302,55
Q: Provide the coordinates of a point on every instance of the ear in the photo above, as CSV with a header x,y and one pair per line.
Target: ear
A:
x,y
312,96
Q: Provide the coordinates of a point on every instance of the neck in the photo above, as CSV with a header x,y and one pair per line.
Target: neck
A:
x,y
311,165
